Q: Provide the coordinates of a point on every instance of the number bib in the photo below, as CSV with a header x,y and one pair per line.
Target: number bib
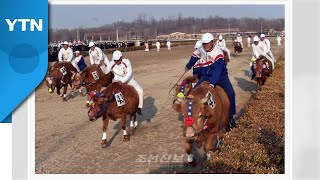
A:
x,y
95,75
210,101
63,70
120,99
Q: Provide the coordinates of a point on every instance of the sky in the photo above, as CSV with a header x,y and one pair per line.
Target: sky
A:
x,y
86,16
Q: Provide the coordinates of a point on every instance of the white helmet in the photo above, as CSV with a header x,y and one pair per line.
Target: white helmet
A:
x,y
198,44
65,43
256,38
91,44
116,55
262,35
239,35
207,37
77,52
220,37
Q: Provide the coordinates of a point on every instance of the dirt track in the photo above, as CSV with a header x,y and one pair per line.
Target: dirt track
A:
x,y
67,142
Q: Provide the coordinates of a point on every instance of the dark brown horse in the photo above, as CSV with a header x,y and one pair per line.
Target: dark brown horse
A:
x,y
60,75
206,117
92,78
115,102
237,48
262,69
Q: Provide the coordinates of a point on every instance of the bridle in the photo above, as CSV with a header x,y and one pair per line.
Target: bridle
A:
x,y
106,104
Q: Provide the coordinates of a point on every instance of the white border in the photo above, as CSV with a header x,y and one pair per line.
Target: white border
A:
x,y
288,106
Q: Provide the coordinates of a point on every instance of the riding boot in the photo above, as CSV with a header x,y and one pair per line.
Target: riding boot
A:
x,y
139,111
232,123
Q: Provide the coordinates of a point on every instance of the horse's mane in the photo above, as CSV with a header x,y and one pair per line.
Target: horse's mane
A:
x,y
191,79
200,91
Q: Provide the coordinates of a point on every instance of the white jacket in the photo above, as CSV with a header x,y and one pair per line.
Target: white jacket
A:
x,y
257,50
97,55
221,44
239,39
65,54
123,71
266,45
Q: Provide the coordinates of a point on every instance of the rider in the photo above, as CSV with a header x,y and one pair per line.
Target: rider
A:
x,y
196,68
257,51
122,71
239,39
267,48
80,61
221,43
214,70
98,57
66,55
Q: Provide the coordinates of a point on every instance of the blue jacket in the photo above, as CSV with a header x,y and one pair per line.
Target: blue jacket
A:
x,y
217,71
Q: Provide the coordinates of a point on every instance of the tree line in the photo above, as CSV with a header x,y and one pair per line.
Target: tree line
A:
x,y
149,27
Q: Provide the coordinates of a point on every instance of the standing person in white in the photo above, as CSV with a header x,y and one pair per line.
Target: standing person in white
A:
x,y
279,40
158,46
122,71
169,45
222,45
98,57
267,48
66,54
249,41
239,39
147,46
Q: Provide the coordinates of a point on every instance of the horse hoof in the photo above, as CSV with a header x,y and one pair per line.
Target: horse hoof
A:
x,y
131,130
104,144
126,138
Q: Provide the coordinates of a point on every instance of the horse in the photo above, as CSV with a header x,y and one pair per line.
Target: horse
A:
x,y
60,75
92,78
115,102
226,57
206,117
262,68
237,48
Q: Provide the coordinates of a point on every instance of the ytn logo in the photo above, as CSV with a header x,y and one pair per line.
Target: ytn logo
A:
x,y
33,24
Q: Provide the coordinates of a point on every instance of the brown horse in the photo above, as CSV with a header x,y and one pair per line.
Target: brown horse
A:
x,y
206,116
262,69
226,57
237,48
115,102
60,75
92,78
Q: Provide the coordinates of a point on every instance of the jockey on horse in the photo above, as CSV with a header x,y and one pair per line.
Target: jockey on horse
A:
x,y
267,49
221,43
213,70
66,55
258,49
98,57
122,70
